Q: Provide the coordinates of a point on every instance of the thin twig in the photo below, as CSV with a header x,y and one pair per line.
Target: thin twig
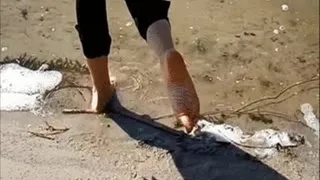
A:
x,y
282,100
58,130
276,96
68,86
52,131
41,135
268,104
229,112
149,122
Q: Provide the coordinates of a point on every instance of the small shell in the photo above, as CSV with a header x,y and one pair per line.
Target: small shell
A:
x,y
282,28
284,7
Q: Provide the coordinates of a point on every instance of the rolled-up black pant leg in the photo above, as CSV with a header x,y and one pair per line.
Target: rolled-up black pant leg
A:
x,y
92,27
146,12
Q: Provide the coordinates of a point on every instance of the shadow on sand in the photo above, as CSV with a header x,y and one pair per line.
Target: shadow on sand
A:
x,y
196,159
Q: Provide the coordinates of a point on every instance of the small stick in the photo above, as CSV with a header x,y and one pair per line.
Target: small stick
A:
x,y
53,131
129,115
149,122
276,96
268,104
69,86
41,135
78,111
51,128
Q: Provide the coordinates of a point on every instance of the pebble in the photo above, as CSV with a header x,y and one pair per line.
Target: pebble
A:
x,y
276,31
129,24
43,67
190,27
284,7
281,28
134,174
276,49
219,78
3,49
53,29
237,82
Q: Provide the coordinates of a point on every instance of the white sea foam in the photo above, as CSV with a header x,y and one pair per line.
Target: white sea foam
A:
x,y
22,89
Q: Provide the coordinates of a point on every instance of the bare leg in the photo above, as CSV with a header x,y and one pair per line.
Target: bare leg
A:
x,y
102,89
181,90
96,41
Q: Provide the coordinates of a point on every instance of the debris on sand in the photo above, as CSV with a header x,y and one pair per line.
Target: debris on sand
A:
x,y
3,49
276,31
49,132
281,28
264,142
129,24
284,7
23,89
310,118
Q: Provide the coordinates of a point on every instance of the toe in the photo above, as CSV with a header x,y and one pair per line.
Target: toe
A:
x,y
187,122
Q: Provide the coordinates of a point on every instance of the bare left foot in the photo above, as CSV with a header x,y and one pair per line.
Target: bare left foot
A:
x,y
100,98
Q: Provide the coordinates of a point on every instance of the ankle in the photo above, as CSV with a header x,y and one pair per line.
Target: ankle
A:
x,y
173,59
172,54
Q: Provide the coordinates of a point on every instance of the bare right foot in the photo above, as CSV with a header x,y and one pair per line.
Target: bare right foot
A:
x,y
182,93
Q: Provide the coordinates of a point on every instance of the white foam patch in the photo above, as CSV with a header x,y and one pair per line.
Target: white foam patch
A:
x,y
264,142
23,89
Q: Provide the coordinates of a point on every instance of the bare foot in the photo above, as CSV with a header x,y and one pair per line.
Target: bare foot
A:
x,y
188,123
183,96
99,100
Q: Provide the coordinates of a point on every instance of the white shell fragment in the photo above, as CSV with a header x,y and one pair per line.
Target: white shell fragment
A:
x,y
310,118
284,7
281,28
22,89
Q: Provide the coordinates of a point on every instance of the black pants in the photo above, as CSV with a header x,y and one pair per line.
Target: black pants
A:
x,y
92,24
